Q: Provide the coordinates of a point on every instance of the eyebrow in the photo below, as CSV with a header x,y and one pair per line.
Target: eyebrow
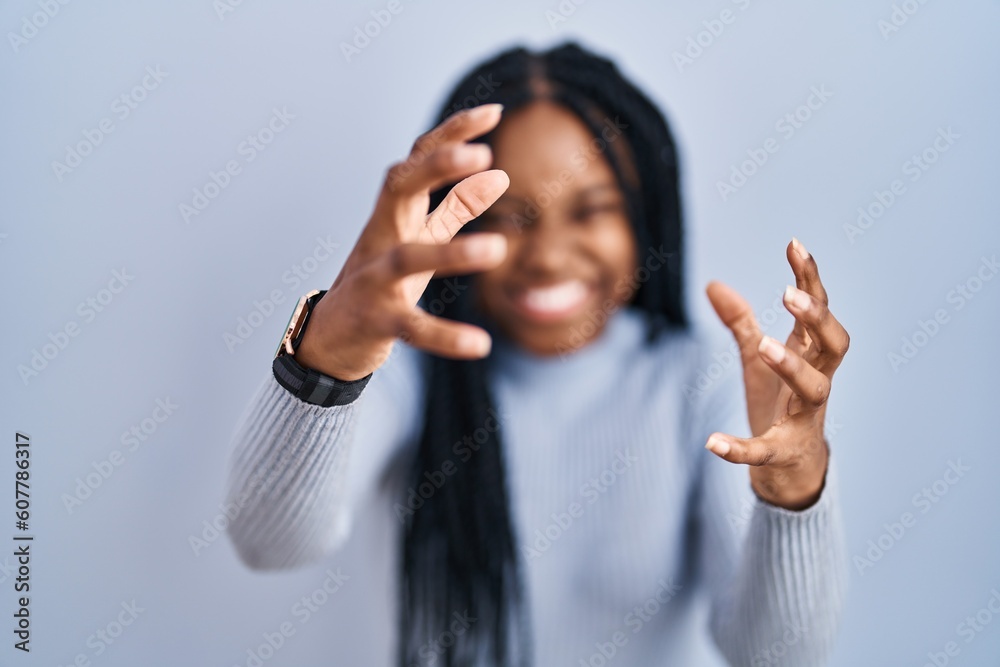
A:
x,y
591,190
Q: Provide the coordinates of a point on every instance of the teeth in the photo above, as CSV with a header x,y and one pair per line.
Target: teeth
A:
x,y
556,298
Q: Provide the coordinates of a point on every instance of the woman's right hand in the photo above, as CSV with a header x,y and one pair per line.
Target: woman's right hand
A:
x,y
373,301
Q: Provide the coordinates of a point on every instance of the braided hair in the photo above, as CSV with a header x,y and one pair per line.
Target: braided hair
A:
x,y
462,601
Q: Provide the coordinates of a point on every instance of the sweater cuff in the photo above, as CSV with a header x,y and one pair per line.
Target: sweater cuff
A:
x,y
277,396
782,517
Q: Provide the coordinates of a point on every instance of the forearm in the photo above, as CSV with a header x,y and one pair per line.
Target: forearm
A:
x,y
286,479
785,599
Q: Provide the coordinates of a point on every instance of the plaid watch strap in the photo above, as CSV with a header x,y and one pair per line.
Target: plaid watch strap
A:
x,y
310,385
314,387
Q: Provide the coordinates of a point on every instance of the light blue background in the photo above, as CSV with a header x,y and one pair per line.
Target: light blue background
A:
x,y
162,336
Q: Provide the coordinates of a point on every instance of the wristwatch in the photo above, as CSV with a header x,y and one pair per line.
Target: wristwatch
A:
x,y
308,384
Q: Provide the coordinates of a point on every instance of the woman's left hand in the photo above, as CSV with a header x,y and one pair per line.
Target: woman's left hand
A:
x,y
787,387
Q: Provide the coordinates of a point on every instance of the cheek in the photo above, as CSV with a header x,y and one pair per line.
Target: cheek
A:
x,y
488,286
493,279
614,246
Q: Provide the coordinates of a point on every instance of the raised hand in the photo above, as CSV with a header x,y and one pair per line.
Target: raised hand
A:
x,y
787,387
373,300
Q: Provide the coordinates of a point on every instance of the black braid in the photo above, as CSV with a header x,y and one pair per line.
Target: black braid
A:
x,y
459,550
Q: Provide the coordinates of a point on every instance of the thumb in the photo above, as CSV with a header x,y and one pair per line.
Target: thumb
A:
x,y
751,451
737,315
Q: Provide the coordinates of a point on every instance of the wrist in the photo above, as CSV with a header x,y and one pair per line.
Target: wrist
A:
x,y
795,487
314,384
316,352
311,355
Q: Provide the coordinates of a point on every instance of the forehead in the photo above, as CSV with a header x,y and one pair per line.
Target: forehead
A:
x,y
544,142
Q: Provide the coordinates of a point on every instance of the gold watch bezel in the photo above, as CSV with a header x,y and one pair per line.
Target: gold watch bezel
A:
x,y
294,324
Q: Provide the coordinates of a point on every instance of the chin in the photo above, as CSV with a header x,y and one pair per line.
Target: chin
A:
x,y
556,337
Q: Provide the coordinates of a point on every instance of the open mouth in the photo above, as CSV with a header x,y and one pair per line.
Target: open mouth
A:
x,y
552,302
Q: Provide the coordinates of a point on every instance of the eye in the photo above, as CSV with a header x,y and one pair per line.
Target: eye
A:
x,y
501,221
593,212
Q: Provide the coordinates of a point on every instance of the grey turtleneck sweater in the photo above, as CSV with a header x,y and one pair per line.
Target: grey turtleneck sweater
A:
x,y
639,546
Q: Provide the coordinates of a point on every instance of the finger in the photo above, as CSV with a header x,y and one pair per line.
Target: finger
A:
x,y
832,340
806,271
797,255
445,164
401,214
805,381
460,126
472,252
757,451
445,338
464,202
442,153
736,314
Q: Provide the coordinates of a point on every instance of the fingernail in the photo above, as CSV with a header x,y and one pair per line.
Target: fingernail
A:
x,y
472,155
797,298
486,247
489,108
772,349
718,446
475,344
799,248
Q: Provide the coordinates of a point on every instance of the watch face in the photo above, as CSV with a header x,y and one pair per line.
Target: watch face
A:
x,y
294,324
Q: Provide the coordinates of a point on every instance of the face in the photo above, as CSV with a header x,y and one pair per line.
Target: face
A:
x,y
571,249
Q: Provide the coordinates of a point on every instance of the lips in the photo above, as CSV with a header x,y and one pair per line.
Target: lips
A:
x,y
552,302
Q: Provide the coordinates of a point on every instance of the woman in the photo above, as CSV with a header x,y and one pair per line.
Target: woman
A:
x,y
539,433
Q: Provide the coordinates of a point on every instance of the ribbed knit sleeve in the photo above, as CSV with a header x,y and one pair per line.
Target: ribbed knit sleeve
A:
x,y
297,470
777,577
286,478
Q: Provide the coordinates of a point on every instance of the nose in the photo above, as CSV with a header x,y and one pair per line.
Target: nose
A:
x,y
544,249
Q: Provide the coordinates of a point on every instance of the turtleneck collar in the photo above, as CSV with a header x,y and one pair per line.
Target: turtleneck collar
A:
x,y
624,332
